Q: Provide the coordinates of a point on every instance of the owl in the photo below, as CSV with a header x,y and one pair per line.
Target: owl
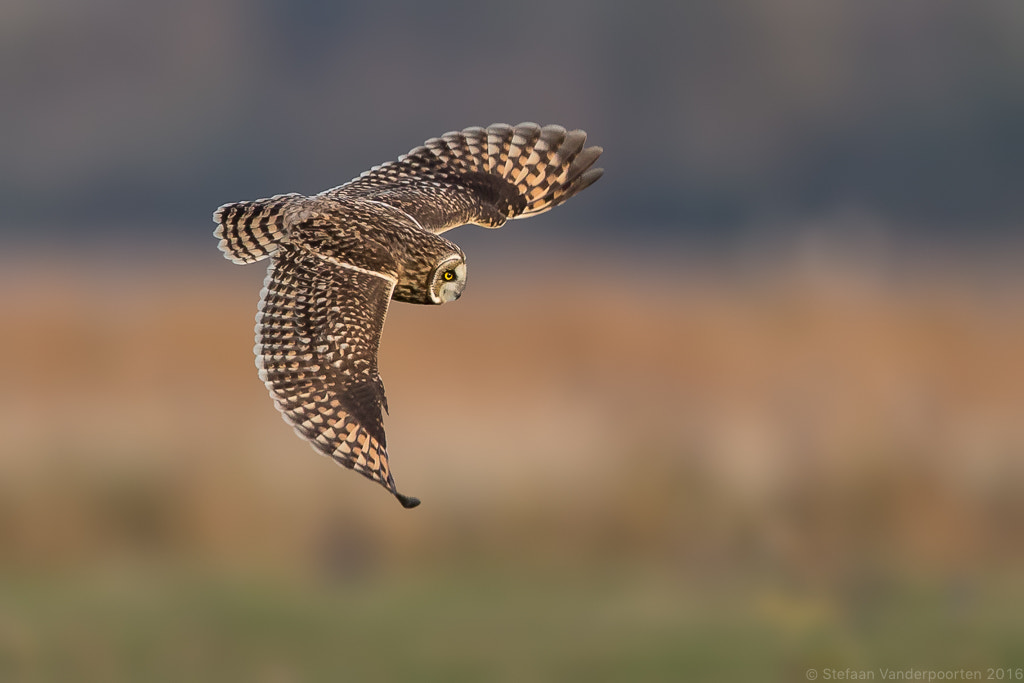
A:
x,y
339,258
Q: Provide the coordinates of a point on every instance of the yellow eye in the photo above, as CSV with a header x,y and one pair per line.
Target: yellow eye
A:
x,y
449,275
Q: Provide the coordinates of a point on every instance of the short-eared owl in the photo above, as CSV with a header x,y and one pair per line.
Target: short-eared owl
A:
x,y
340,257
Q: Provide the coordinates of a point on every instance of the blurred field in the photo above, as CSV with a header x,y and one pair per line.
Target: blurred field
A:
x,y
627,473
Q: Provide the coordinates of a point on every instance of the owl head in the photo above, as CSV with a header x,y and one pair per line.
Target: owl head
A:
x,y
448,279
432,270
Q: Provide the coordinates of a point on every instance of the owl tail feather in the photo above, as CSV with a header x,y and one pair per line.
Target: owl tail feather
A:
x,y
251,231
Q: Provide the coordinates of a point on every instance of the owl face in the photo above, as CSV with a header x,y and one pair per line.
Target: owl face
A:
x,y
448,279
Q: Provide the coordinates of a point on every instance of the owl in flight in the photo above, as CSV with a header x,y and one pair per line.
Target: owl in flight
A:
x,y
338,258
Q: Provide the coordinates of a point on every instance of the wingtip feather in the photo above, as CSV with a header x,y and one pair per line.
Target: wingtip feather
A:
x,y
408,502
582,162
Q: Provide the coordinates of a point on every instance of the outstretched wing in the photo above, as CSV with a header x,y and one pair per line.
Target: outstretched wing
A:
x,y
481,175
317,334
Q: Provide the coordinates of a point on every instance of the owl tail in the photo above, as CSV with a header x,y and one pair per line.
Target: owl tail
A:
x,y
250,231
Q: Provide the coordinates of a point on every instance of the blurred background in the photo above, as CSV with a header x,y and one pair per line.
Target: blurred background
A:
x,y
750,406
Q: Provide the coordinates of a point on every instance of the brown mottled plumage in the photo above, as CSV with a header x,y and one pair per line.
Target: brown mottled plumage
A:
x,y
340,257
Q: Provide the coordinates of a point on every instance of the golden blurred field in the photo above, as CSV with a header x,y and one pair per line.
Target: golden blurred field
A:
x,y
626,474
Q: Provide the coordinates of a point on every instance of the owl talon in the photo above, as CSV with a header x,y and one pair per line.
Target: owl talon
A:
x,y
407,501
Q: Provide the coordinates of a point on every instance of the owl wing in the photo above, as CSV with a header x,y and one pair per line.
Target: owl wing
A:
x,y
483,176
317,334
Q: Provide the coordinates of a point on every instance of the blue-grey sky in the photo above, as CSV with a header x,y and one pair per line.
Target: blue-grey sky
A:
x,y
138,119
